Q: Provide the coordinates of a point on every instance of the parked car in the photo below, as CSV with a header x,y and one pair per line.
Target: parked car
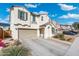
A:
x,y
74,32
69,32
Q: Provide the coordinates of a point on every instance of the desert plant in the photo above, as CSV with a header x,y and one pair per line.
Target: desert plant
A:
x,y
15,51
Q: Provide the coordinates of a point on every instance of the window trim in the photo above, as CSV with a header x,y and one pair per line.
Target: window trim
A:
x,y
23,15
26,16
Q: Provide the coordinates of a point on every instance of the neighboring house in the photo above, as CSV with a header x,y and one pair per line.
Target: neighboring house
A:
x,y
4,26
26,25
67,27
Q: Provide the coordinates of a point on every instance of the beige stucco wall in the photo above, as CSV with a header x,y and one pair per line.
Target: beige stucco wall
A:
x,y
48,31
45,19
14,20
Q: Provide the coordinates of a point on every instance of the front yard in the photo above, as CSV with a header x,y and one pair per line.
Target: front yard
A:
x,y
14,48
58,46
34,47
65,37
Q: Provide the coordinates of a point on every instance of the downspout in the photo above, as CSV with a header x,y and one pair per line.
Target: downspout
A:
x,y
18,33
30,19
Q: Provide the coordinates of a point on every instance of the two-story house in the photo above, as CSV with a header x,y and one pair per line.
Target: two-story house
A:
x,y
27,25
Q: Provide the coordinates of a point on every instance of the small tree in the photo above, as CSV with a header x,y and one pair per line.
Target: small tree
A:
x,y
76,25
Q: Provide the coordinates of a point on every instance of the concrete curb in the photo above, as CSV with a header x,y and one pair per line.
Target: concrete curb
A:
x,y
60,41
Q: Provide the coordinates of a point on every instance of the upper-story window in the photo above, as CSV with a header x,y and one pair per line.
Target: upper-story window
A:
x,y
33,19
42,18
22,15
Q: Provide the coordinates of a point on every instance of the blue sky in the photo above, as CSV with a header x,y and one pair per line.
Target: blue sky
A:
x,y
65,13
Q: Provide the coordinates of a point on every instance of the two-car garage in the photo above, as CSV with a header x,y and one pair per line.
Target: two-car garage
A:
x,y
27,33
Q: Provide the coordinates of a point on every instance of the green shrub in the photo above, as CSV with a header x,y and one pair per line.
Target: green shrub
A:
x,y
60,36
15,51
56,36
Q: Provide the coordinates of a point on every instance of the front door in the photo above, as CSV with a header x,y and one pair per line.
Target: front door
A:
x,y
42,32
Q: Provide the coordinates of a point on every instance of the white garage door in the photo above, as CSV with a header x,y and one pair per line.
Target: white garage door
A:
x,y
27,34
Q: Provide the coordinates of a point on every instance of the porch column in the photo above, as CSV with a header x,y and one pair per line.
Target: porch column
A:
x,y
38,33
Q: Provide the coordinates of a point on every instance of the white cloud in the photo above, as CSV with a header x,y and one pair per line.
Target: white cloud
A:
x,y
43,12
7,9
40,12
5,20
53,15
66,7
74,16
31,5
35,12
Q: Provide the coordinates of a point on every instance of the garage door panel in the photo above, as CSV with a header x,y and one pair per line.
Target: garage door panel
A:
x,y
27,34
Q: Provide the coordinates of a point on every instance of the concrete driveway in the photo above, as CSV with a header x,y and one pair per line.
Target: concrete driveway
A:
x,y
45,47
